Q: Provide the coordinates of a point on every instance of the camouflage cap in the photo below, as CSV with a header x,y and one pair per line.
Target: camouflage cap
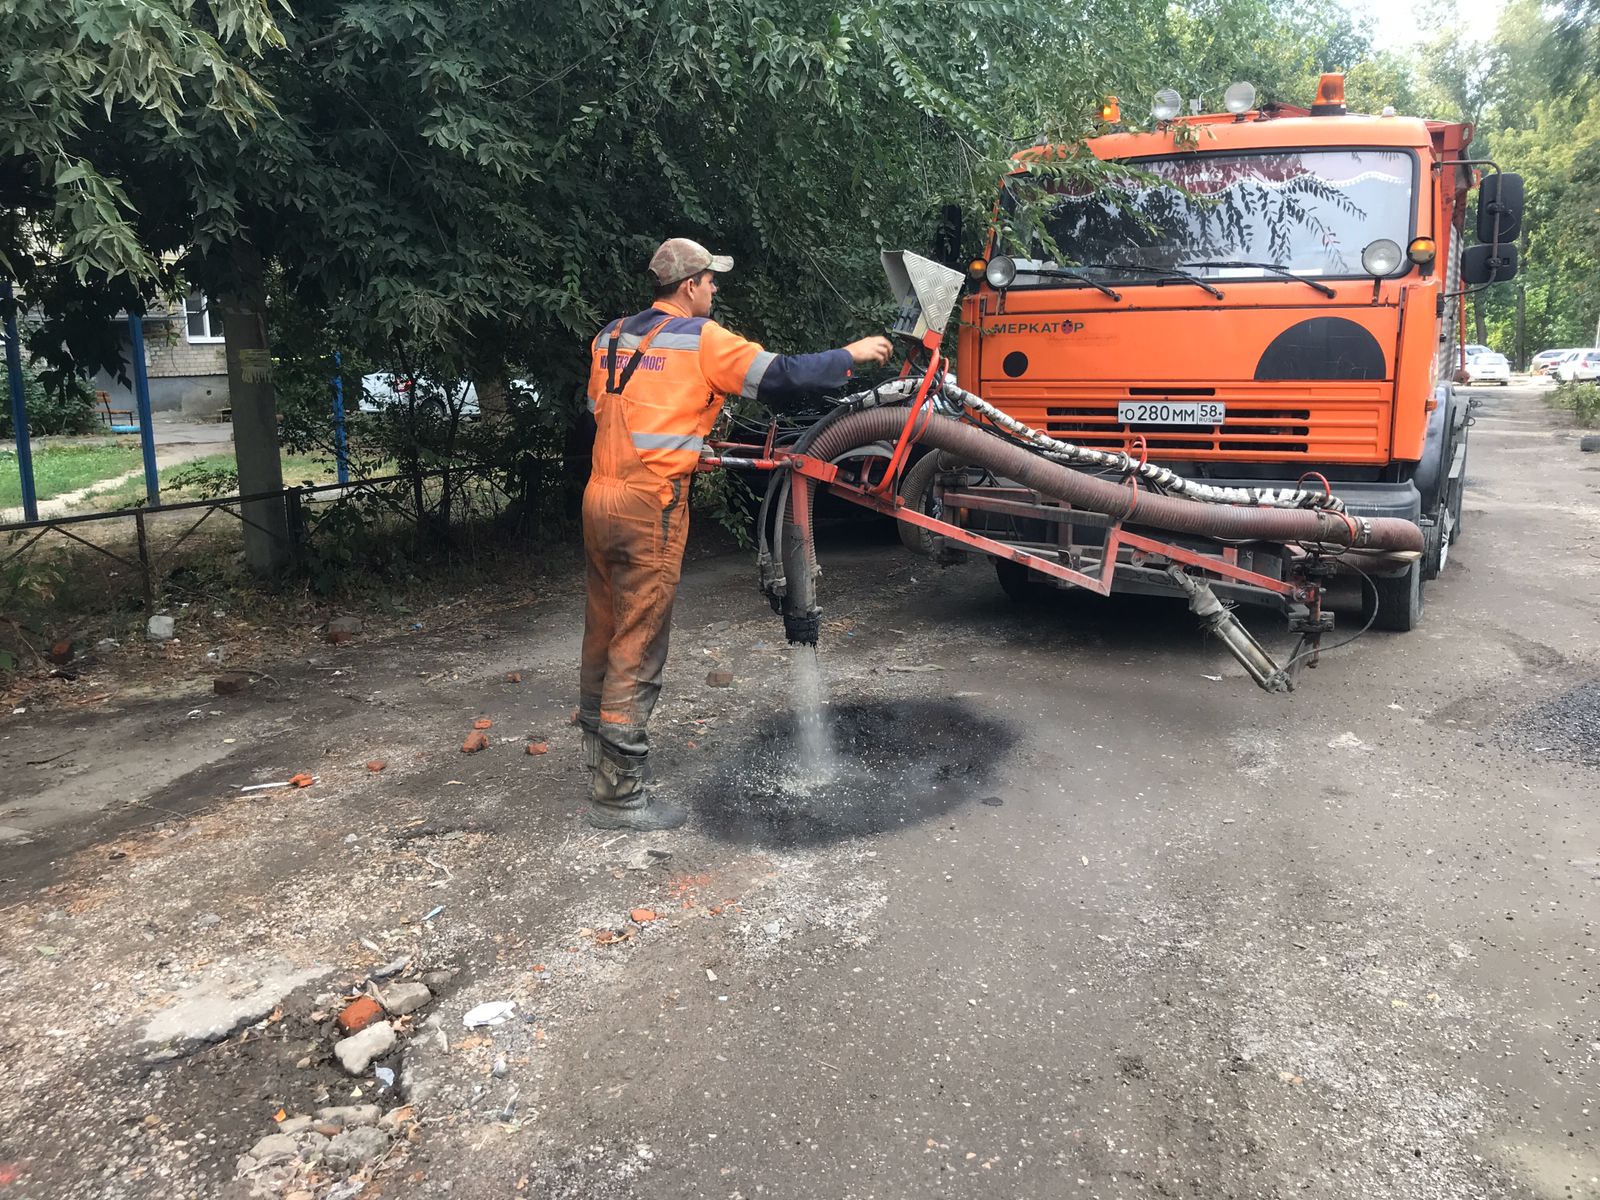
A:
x,y
679,258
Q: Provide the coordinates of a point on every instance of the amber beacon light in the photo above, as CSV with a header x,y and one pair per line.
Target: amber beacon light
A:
x,y
1111,111
1330,96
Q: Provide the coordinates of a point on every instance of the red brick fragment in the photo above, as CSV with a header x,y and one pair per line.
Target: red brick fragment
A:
x,y
483,723
538,747
643,916
513,676
377,764
475,741
359,1013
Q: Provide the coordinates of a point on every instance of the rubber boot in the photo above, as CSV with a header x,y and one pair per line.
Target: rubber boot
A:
x,y
591,751
620,797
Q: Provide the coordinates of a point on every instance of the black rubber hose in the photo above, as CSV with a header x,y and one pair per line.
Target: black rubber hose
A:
x,y
1141,508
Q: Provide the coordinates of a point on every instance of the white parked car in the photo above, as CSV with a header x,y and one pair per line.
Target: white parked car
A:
x,y
1488,367
1578,366
1544,362
384,389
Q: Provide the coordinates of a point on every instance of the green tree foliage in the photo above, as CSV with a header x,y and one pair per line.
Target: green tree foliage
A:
x,y
478,185
1282,48
67,409
1557,151
68,70
1534,120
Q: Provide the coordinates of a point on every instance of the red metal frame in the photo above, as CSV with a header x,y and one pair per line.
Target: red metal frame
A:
x,y
881,498
1116,538
897,461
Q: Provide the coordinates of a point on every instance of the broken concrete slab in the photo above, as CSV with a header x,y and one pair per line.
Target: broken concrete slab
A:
x,y
224,1001
402,998
351,1115
356,1147
273,1149
355,1054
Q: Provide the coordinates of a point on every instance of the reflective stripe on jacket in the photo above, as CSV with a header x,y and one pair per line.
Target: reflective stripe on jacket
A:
x,y
676,392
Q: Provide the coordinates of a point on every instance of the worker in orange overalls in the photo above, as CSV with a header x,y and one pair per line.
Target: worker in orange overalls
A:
x,y
656,386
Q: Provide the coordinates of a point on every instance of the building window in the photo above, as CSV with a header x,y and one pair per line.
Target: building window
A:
x,y
203,323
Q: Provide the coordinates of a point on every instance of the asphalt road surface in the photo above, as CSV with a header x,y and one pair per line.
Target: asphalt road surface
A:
x,y
1082,913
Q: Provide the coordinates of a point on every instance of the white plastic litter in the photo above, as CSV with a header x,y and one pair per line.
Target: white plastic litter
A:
x,y
496,1012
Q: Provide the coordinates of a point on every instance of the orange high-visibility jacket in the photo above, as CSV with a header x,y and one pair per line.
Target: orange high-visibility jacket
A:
x,y
675,394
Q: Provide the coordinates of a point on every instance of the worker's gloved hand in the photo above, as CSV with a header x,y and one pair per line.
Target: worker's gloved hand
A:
x,y
870,350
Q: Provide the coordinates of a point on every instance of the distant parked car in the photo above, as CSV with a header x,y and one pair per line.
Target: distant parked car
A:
x,y
1545,361
1473,349
384,389
1578,366
1488,367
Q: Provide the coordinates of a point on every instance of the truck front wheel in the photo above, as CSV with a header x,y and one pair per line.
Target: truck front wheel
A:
x,y
1399,600
1015,581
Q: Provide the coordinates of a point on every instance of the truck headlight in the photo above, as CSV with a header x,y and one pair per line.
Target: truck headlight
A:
x,y
1382,257
1001,271
1240,98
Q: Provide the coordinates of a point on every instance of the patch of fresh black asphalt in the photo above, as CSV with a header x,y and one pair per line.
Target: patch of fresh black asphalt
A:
x,y
1566,726
897,763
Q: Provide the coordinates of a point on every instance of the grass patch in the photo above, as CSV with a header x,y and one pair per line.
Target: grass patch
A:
x,y
58,469
212,475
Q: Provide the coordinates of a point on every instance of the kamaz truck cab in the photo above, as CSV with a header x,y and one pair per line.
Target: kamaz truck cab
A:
x,y
1268,296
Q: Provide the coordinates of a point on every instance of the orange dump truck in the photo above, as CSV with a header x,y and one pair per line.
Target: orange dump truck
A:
x,y
1269,297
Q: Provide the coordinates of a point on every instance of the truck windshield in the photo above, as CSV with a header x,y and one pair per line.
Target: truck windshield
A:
x,y
1237,216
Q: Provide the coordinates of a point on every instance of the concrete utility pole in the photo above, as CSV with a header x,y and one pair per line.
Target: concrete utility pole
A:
x,y
255,411
1520,351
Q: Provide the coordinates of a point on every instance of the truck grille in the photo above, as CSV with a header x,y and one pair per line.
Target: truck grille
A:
x,y
1281,430
1319,422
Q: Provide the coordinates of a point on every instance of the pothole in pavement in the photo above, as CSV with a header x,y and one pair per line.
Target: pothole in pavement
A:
x,y
1566,726
894,763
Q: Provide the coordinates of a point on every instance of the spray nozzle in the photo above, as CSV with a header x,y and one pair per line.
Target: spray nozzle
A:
x,y
802,628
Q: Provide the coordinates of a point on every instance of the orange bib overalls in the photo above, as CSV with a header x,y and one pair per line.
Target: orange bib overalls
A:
x,y
635,524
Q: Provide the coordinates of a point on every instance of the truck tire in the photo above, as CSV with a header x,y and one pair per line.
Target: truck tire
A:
x,y
915,487
1015,581
1399,601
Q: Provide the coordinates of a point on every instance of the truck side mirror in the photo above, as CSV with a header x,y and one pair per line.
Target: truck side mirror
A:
x,y
1500,208
1487,263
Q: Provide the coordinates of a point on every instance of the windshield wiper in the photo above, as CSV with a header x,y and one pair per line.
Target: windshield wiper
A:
x,y
1168,274
1065,273
1171,273
1273,267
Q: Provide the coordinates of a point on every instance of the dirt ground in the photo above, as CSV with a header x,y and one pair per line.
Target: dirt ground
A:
x,y
1083,919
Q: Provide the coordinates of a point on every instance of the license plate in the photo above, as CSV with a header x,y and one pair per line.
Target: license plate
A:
x,y
1171,412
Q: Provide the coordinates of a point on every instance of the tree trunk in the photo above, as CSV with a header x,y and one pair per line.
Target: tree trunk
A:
x,y
491,388
255,409
486,367
1478,326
